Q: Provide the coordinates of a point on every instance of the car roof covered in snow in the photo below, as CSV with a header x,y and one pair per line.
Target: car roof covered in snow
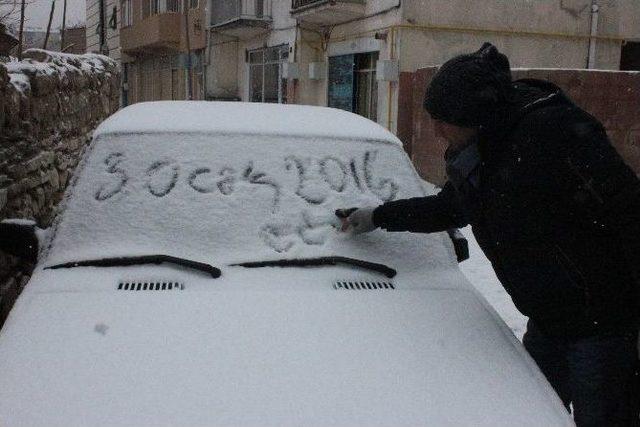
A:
x,y
243,118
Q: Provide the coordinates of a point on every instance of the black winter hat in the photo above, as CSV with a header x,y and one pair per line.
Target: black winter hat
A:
x,y
469,90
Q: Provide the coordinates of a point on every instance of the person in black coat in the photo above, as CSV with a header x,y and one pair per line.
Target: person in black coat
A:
x,y
556,211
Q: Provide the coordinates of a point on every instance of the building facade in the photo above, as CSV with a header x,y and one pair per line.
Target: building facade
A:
x,y
103,28
155,37
349,53
346,54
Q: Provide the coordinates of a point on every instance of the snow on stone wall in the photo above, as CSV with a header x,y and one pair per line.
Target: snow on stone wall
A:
x,y
50,103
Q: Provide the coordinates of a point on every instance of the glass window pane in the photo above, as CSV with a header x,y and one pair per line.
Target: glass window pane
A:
x,y
256,57
283,90
341,82
255,80
362,94
373,98
271,54
271,76
284,53
361,62
366,85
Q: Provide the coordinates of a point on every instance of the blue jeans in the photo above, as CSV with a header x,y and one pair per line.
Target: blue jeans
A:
x,y
598,375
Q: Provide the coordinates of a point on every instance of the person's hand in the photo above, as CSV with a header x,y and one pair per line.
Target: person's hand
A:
x,y
356,220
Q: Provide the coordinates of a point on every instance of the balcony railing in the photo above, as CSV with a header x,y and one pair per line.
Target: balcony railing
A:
x,y
224,11
156,7
297,4
327,12
303,4
157,31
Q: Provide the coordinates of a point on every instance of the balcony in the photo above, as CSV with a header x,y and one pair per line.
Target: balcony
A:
x,y
327,12
241,18
159,30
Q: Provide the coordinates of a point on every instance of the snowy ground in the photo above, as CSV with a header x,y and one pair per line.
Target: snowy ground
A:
x,y
480,273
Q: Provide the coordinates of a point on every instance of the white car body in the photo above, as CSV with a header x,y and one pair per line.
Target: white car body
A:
x,y
227,183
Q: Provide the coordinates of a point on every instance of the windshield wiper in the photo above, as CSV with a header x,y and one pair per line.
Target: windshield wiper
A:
x,y
329,260
139,260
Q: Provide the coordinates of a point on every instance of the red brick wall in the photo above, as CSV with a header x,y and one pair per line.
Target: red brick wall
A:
x,y
612,97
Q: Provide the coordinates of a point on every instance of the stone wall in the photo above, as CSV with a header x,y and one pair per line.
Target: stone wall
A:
x,y
49,105
613,97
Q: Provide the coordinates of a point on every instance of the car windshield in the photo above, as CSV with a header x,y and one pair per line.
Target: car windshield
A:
x,y
225,199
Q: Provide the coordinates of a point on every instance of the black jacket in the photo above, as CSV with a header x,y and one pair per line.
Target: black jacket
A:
x,y
555,210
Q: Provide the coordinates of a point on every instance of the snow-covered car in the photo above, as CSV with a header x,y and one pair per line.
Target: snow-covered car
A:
x,y
197,276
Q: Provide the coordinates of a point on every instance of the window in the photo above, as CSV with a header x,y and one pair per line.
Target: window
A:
x,y
259,8
127,16
148,79
173,6
154,7
145,8
353,85
125,84
266,83
630,56
366,86
198,74
193,4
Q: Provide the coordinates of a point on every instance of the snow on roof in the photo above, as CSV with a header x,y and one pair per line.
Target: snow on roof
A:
x,y
243,118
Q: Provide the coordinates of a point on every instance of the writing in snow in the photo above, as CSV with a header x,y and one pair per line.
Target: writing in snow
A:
x,y
311,180
315,180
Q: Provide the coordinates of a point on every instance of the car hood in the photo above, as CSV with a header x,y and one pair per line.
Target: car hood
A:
x,y
258,356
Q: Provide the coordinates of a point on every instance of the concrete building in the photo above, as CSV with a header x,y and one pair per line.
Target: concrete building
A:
x,y
103,32
349,53
154,41
103,28
345,53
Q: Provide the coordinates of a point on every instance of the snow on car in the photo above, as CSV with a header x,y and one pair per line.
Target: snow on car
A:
x,y
197,276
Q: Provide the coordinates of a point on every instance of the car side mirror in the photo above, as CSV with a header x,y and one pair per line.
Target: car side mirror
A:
x,y
19,237
460,244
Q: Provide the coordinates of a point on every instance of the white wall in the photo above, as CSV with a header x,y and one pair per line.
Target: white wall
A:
x,y
93,19
557,30
421,41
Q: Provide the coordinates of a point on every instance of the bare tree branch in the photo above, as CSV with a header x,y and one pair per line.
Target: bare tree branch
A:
x,y
46,37
22,7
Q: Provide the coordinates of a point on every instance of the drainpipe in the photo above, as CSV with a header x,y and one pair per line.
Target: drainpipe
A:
x,y
101,28
595,9
389,88
189,76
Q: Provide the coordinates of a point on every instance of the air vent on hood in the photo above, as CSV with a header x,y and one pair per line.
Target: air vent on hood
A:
x,y
363,286
150,286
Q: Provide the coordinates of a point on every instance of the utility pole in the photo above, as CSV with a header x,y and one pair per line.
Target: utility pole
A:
x,y
46,37
64,21
185,5
101,30
22,6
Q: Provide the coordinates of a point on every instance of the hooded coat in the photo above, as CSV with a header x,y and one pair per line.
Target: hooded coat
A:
x,y
553,207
